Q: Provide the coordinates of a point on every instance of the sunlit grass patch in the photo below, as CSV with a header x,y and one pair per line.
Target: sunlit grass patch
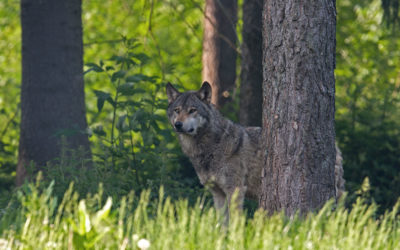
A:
x,y
42,222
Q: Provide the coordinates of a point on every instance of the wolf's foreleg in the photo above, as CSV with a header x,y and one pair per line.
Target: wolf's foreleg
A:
x,y
219,198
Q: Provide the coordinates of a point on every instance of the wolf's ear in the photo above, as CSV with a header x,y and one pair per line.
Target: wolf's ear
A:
x,y
172,93
205,92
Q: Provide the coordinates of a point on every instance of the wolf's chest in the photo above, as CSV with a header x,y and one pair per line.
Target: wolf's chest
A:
x,y
201,155
188,145
208,167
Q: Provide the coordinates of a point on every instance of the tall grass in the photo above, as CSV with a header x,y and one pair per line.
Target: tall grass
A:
x,y
42,222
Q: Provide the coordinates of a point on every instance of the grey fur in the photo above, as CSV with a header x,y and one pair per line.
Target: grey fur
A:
x,y
227,157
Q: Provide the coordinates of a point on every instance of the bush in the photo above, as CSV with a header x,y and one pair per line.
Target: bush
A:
x,y
133,143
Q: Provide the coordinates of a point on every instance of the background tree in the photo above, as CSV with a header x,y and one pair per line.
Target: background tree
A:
x,y
52,96
391,12
219,48
250,109
299,105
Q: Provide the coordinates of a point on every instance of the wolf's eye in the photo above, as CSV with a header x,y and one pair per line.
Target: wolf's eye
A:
x,y
177,110
192,110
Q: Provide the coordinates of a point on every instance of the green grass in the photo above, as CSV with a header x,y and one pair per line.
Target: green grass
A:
x,y
39,221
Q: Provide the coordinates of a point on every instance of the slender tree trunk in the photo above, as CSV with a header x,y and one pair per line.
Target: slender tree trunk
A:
x,y
52,93
219,48
299,105
251,77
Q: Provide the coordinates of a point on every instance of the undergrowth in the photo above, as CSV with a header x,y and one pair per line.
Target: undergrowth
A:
x,y
44,222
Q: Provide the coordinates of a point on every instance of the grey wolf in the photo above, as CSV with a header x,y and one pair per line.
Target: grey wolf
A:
x,y
227,157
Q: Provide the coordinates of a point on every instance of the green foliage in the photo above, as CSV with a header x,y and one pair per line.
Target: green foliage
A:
x,y
44,222
132,135
131,140
368,100
10,77
170,36
170,33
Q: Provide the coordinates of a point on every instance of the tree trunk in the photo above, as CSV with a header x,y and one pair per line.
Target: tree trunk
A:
x,y
219,48
299,105
250,111
52,91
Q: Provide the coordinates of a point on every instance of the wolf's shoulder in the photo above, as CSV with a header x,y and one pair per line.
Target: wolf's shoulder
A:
x,y
254,133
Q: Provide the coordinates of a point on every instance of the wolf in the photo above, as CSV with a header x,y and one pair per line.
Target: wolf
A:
x,y
227,157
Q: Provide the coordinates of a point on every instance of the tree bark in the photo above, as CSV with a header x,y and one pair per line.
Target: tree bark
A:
x,y
52,91
251,78
299,105
219,48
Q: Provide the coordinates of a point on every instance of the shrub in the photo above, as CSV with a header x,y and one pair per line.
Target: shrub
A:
x,y
132,138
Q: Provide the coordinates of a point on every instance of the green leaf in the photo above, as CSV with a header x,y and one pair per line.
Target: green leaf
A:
x,y
98,130
109,68
143,58
118,75
130,62
117,59
94,67
126,89
101,98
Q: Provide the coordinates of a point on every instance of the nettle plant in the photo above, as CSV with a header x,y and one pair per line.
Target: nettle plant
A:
x,y
134,139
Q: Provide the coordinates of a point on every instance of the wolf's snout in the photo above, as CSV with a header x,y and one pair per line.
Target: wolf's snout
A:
x,y
178,126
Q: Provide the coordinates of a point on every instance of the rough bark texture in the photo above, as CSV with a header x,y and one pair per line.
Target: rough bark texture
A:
x,y
52,93
251,77
299,104
219,48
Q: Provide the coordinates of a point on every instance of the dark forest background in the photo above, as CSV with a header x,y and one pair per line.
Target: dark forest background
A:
x,y
132,48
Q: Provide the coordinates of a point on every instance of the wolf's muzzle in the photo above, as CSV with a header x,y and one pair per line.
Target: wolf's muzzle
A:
x,y
178,126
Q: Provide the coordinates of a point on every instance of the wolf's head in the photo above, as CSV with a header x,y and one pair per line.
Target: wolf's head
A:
x,y
188,112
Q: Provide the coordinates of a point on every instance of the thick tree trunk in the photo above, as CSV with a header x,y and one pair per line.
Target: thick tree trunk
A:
x,y
250,111
219,48
52,93
299,105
